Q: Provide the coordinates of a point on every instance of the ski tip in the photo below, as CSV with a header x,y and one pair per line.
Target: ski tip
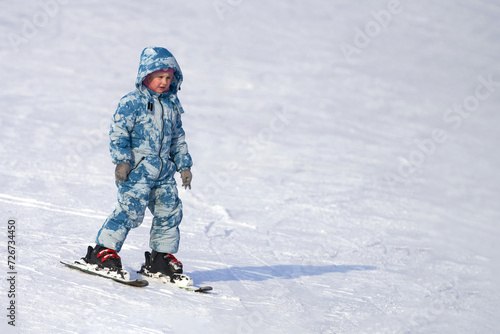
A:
x,y
67,263
201,289
139,283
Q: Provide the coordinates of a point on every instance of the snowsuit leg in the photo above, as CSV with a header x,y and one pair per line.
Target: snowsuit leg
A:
x,y
166,207
133,198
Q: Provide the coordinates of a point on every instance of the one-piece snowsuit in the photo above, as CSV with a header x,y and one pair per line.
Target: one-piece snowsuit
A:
x,y
146,131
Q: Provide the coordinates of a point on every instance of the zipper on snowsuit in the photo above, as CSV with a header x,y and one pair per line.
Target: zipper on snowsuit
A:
x,y
162,135
137,165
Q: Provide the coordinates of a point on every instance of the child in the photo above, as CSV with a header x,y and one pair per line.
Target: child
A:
x,y
148,147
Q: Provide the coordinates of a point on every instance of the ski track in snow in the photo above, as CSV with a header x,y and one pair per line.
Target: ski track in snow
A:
x,y
323,200
28,202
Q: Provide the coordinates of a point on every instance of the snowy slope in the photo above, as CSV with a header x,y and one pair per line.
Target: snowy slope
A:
x,y
345,176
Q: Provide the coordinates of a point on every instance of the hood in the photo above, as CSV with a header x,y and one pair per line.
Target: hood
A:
x,y
157,58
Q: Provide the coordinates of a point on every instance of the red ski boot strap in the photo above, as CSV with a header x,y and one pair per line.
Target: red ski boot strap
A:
x,y
107,254
173,259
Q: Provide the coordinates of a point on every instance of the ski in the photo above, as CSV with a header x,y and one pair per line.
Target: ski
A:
x,y
120,276
181,281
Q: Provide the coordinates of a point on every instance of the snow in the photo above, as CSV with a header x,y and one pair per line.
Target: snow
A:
x,y
345,154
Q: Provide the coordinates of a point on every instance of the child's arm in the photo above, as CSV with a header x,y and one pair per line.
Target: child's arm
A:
x,y
122,124
179,149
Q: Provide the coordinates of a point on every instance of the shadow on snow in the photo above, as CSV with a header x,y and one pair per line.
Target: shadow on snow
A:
x,y
271,272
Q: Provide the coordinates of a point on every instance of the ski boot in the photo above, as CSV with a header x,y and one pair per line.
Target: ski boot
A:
x,y
104,262
165,268
103,257
164,263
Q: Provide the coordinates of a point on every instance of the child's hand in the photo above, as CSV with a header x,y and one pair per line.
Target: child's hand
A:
x,y
121,172
186,177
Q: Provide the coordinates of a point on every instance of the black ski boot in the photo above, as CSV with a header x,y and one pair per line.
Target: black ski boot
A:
x,y
103,257
164,263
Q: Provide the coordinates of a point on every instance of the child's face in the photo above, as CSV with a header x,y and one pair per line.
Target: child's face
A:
x,y
159,82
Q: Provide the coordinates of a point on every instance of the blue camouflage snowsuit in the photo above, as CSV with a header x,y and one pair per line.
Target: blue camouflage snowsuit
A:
x,y
146,131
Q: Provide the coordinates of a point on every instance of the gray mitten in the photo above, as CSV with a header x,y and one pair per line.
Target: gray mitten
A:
x,y
186,177
121,172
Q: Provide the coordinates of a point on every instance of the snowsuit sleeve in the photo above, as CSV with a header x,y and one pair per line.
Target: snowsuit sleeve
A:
x,y
122,125
178,148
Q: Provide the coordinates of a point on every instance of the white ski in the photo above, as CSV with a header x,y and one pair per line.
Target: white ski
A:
x,y
120,276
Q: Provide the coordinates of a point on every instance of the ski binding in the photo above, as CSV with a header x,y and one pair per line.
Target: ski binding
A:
x,y
181,281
